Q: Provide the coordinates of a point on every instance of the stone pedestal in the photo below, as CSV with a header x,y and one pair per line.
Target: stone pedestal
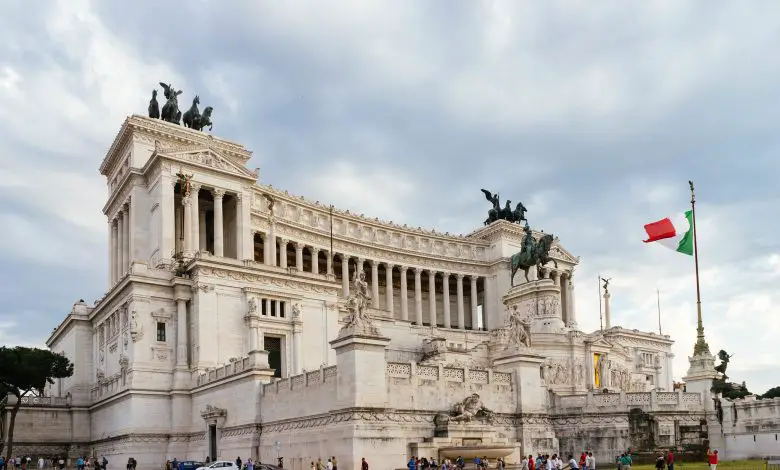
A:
x,y
700,375
541,301
525,366
361,373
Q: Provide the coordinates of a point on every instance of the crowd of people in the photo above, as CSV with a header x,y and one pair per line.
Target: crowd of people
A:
x,y
28,463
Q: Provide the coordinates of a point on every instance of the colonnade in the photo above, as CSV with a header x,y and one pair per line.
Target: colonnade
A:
x,y
191,228
448,300
119,243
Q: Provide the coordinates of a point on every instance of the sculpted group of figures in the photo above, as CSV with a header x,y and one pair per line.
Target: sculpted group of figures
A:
x,y
171,113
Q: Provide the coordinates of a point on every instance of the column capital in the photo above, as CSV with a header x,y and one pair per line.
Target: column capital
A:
x,y
432,272
194,188
389,266
417,271
282,241
314,249
186,201
218,193
374,263
403,269
460,276
125,209
445,275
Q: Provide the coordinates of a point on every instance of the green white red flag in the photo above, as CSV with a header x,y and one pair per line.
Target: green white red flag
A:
x,y
673,232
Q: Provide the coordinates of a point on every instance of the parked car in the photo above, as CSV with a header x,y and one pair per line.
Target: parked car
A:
x,y
190,465
222,464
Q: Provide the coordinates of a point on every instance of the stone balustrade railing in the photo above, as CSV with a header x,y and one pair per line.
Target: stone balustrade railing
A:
x,y
10,400
233,367
624,401
297,382
450,374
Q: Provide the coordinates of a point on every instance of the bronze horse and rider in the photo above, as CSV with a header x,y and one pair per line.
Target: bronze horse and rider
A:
x,y
532,254
506,213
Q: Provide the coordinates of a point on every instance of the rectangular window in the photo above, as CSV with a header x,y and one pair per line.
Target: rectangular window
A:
x,y
160,331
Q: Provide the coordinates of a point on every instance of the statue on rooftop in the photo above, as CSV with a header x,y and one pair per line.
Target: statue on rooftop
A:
x,y
154,107
170,111
506,213
194,120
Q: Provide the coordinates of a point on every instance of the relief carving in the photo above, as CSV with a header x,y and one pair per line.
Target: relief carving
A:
x,y
465,411
136,328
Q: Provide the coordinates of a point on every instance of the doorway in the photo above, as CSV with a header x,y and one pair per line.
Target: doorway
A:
x,y
213,442
273,345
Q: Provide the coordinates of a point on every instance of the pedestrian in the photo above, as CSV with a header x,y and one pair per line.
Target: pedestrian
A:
x,y
363,464
712,457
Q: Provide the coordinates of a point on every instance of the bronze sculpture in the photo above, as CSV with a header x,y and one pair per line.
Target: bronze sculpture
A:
x,y
506,213
532,254
170,111
154,107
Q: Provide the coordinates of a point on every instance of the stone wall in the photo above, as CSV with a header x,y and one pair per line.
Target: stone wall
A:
x,y
308,394
746,428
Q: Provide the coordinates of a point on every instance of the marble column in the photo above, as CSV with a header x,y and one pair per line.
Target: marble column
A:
x,y
474,304
374,284
112,232
219,230
267,303
461,312
195,216
432,297
282,252
202,242
345,274
271,260
315,260
389,289
252,337
239,226
445,279
418,317
120,229
570,304
298,256
328,263
126,239
181,334
187,226
404,295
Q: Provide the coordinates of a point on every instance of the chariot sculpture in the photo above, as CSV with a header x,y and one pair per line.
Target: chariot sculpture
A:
x,y
170,111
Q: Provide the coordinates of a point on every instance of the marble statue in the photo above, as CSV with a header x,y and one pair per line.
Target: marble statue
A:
x,y
520,329
532,254
358,301
252,309
296,311
469,408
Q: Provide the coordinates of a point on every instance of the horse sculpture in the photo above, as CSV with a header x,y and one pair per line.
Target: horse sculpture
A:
x,y
154,107
170,111
204,119
534,253
192,114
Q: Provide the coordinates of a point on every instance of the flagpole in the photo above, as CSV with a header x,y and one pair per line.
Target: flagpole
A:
x,y
701,346
658,295
598,292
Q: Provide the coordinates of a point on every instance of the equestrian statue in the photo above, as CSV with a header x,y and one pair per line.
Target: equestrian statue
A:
x,y
532,254
506,213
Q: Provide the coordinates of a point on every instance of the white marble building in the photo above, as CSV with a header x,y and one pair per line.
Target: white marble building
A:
x,y
218,333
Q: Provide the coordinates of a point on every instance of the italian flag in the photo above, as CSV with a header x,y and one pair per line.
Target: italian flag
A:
x,y
673,232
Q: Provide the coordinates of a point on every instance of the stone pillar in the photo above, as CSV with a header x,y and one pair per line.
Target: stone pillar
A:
x,y
360,383
389,289
315,260
282,252
219,230
374,284
181,333
432,297
126,239
195,216
187,226
474,304
445,279
570,305
345,274
239,226
328,263
298,256
418,317
120,258
607,319
267,303
461,312
404,295
297,347
112,232
202,242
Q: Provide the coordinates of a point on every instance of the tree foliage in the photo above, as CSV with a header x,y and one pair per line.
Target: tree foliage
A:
x,y
27,370
773,392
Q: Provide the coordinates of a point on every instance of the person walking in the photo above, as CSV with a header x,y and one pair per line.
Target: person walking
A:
x,y
712,458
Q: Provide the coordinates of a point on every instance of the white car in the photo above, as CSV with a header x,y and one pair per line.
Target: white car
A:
x,y
226,464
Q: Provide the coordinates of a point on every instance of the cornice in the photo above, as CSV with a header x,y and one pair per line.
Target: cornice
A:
x,y
169,132
204,268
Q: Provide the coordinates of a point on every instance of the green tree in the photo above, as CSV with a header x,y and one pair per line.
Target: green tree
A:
x,y
773,392
27,370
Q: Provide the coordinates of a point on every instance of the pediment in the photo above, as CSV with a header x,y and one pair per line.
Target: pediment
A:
x,y
558,252
599,342
206,157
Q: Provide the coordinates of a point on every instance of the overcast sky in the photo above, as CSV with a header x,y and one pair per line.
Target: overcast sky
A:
x,y
594,115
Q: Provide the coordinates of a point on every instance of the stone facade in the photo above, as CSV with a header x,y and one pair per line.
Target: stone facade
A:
x,y
219,332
